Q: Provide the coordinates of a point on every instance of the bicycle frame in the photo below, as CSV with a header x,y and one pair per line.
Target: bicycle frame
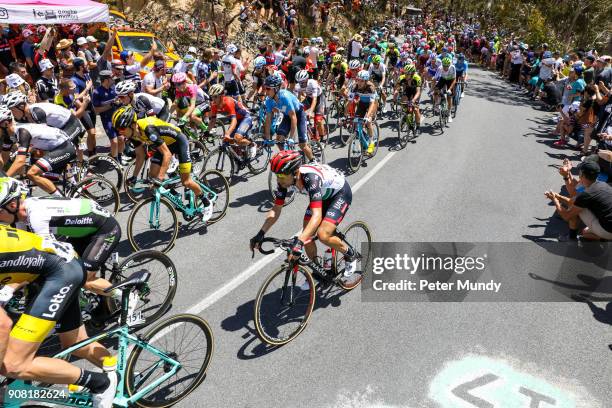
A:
x,y
360,132
190,210
80,399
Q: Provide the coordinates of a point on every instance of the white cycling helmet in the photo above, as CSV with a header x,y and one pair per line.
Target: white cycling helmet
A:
x,y
125,87
354,64
259,62
10,189
301,76
216,90
14,99
306,51
364,75
5,113
231,49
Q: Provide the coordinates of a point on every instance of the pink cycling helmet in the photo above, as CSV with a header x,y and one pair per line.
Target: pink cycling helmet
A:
x,y
179,78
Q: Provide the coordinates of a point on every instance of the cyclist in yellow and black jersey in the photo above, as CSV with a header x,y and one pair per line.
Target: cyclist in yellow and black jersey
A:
x,y
167,140
24,258
337,71
408,88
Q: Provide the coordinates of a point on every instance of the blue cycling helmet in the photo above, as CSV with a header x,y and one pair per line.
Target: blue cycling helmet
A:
x,y
273,81
259,62
460,56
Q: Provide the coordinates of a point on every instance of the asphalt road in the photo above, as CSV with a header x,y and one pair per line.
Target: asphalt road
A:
x,y
482,180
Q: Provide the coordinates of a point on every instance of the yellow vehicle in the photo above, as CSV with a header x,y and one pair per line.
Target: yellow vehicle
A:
x,y
138,41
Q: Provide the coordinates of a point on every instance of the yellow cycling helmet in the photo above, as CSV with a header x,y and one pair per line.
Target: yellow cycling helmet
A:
x,y
123,117
337,58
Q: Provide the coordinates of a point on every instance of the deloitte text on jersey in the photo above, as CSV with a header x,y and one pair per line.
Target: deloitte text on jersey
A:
x,y
483,272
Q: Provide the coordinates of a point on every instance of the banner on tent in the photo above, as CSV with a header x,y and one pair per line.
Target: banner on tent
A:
x,y
24,14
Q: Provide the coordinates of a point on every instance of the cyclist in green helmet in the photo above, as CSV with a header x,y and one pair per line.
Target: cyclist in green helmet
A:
x,y
447,77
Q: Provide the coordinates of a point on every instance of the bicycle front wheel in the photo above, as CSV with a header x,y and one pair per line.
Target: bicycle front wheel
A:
x,y
403,130
259,163
157,295
358,236
220,160
100,190
186,339
355,153
216,183
153,224
107,167
284,305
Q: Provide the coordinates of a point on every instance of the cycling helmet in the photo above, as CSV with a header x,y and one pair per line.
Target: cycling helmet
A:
x,y
376,59
354,64
188,59
444,50
301,76
372,39
274,81
391,44
179,78
337,58
460,56
125,87
335,38
306,51
286,162
259,62
364,75
10,189
446,61
319,40
231,49
216,90
123,117
14,99
405,45
410,68
5,113
404,55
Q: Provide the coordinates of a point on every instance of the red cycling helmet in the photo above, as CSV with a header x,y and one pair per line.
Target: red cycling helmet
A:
x,y
286,161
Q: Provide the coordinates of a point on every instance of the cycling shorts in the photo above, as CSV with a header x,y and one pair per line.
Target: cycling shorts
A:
x,y
232,89
181,149
319,109
74,128
244,126
285,126
334,208
362,109
444,83
95,249
56,160
56,302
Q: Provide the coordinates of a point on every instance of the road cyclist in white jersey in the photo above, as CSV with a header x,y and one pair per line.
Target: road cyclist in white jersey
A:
x,y
310,94
446,77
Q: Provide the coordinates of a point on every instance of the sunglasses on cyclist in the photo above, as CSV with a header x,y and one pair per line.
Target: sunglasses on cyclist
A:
x,y
281,176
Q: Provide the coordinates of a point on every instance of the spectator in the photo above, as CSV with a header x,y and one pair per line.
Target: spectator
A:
x,y
103,100
589,69
7,52
84,85
27,48
133,68
593,205
64,53
354,47
155,82
516,61
587,116
46,86
603,71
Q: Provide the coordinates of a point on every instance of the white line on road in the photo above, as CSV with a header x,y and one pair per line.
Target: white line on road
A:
x,y
260,264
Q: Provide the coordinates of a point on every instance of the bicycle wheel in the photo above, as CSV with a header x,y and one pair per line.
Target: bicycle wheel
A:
x,y
184,338
358,236
157,296
291,192
441,115
139,190
332,117
215,182
403,130
345,132
355,153
197,153
284,305
153,225
107,167
318,150
100,190
259,163
220,160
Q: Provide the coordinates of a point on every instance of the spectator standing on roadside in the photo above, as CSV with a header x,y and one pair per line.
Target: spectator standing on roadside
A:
x,y
47,85
155,82
516,61
84,86
354,47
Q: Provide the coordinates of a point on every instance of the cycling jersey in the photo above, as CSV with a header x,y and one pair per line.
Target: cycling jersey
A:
x,y
229,64
393,56
287,102
448,74
41,137
377,71
338,69
461,68
311,89
25,257
147,105
231,108
410,85
49,113
193,91
64,101
155,132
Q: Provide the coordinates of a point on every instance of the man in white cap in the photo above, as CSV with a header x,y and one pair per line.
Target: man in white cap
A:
x,y
47,85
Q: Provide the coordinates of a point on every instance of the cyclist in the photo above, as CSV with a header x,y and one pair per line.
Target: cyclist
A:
x,y
355,66
330,198
259,76
143,103
294,117
240,118
45,113
338,70
409,88
191,96
446,79
313,101
167,140
89,228
26,257
378,73
461,68
365,97
53,146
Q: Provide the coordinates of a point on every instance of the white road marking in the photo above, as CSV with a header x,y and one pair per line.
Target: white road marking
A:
x,y
260,264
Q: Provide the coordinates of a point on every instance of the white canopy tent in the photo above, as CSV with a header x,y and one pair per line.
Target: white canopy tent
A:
x,y
52,12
